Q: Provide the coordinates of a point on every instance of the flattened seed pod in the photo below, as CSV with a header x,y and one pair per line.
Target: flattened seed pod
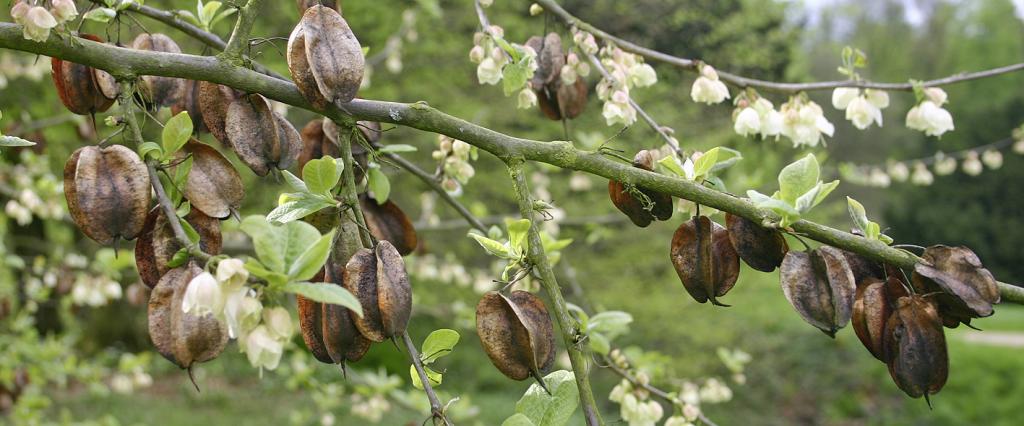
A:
x,y
516,333
967,290
298,67
704,259
214,187
311,325
77,86
915,347
332,52
252,130
189,102
182,338
377,278
388,222
864,270
550,59
819,285
157,244
107,190
650,206
289,143
306,4
875,303
315,143
214,101
762,248
160,91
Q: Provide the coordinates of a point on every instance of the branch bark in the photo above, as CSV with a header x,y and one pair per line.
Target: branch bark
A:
x,y
239,41
127,63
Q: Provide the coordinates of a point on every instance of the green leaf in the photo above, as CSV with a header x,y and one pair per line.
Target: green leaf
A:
x,y
706,162
294,210
826,189
494,248
278,247
311,260
325,293
397,148
223,14
148,147
612,323
102,14
515,75
294,182
857,213
177,132
193,236
517,230
438,344
872,231
732,157
599,343
179,258
276,279
378,183
322,175
518,419
798,178
433,376
554,409
12,141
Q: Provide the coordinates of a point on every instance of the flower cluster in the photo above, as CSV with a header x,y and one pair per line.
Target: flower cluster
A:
x,y
862,107
708,88
454,157
803,121
929,116
488,56
625,72
573,69
494,63
261,333
917,172
37,192
94,291
759,118
635,405
38,21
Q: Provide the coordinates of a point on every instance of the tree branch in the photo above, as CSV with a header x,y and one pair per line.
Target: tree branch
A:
x,y
122,63
238,43
738,80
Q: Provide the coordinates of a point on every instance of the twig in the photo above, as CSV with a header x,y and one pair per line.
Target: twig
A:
x,y
428,179
239,39
436,409
738,80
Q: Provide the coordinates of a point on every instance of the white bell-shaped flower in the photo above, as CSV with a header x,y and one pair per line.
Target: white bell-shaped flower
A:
x,y
993,159
707,88
241,313
930,118
262,349
278,322
232,275
488,72
972,165
64,10
38,22
748,122
203,296
922,176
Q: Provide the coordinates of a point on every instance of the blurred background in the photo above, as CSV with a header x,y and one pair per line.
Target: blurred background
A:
x,y
73,317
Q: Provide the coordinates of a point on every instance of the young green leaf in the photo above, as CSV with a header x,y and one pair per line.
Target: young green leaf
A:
x,y
554,409
433,376
322,175
276,279
396,148
599,343
518,419
612,323
13,141
517,230
193,236
378,182
179,258
438,344
494,248
310,262
150,148
798,178
292,210
857,213
294,182
176,132
703,165
325,293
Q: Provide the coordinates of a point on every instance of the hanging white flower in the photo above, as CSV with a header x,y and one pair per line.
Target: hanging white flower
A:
x,y
936,95
878,98
944,165
526,99
972,165
642,75
677,421
38,22
262,349
278,322
203,296
707,88
879,178
488,72
804,122
930,118
64,10
771,120
899,172
842,96
748,122
241,313
862,109
232,275
992,158
922,176
18,12
476,54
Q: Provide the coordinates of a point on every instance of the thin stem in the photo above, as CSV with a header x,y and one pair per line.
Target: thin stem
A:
x,y
740,81
238,43
436,409
135,135
566,323
348,183
428,179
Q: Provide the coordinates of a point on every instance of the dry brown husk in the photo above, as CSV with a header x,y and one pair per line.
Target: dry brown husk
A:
x,y
182,338
516,333
107,190
634,208
761,248
188,102
261,138
704,259
966,289
820,286
159,91
157,243
875,302
388,222
214,187
214,100
325,58
915,347
377,278
77,85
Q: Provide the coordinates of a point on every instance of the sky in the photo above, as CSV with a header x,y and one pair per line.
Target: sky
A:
x,y
913,15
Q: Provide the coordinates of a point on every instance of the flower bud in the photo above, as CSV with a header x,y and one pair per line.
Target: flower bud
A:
x,y
64,10
922,176
536,9
476,54
488,72
748,122
936,95
19,11
231,274
992,158
527,99
972,166
241,313
899,172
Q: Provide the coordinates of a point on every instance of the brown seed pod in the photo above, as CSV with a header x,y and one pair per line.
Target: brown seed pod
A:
x,y
214,187
311,324
389,223
379,281
189,102
262,138
874,304
184,339
762,248
330,57
572,98
966,289
657,206
214,101
705,260
159,91
342,339
107,190
550,59
306,4
157,244
516,333
915,347
864,270
77,86
548,103
819,285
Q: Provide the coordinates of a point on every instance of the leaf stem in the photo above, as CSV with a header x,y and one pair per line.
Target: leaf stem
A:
x,y
436,409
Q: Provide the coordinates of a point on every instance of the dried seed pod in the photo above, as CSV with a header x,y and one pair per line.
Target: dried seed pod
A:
x,y
160,91
262,138
189,102
819,285
379,281
183,338
157,244
650,206
214,187
915,347
572,98
106,84
330,56
548,103
516,333
311,324
550,59
762,248
214,101
874,304
388,222
705,260
966,289
864,270
107,190
341,338
77,86
306,4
